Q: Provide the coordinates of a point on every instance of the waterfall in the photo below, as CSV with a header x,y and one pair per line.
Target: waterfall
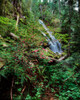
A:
x,y
54,44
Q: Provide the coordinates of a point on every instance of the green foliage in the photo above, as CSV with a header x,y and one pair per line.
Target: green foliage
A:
x,y
42,10
70,25
66,78
30,68
36,9
4,22
6,26
6,7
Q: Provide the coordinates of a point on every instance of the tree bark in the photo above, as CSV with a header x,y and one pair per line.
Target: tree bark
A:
x,y
1,7
17,22
59,11
70,3
79,6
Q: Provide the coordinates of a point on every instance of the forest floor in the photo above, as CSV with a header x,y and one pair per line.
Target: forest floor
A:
x,y
28,66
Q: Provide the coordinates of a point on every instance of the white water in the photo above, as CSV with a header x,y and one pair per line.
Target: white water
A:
x,y
54,44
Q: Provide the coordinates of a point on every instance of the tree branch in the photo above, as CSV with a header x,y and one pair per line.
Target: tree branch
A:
x,y
14,36
60,59
11,92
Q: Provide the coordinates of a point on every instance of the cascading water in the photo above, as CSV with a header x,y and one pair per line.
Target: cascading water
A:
x,y
54,44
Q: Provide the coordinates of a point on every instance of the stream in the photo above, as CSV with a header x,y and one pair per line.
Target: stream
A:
x,y
54,44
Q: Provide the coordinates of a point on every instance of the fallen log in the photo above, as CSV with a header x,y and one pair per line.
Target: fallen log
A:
x,y
58,60
62,58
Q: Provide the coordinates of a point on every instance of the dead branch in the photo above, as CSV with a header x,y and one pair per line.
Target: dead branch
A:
x,y
60,59
0,36
11,91
17,21
23,90
14,36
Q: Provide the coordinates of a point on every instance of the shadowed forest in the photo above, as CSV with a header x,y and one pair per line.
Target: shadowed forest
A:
x,y
39,49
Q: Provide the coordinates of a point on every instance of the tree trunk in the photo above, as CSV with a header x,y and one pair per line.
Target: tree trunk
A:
x,y
70,3
59,8
79,6
45,1
1,7
17,22
1,2
17,6
59,11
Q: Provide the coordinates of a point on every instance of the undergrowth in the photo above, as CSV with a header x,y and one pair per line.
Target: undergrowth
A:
x,y
28,68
